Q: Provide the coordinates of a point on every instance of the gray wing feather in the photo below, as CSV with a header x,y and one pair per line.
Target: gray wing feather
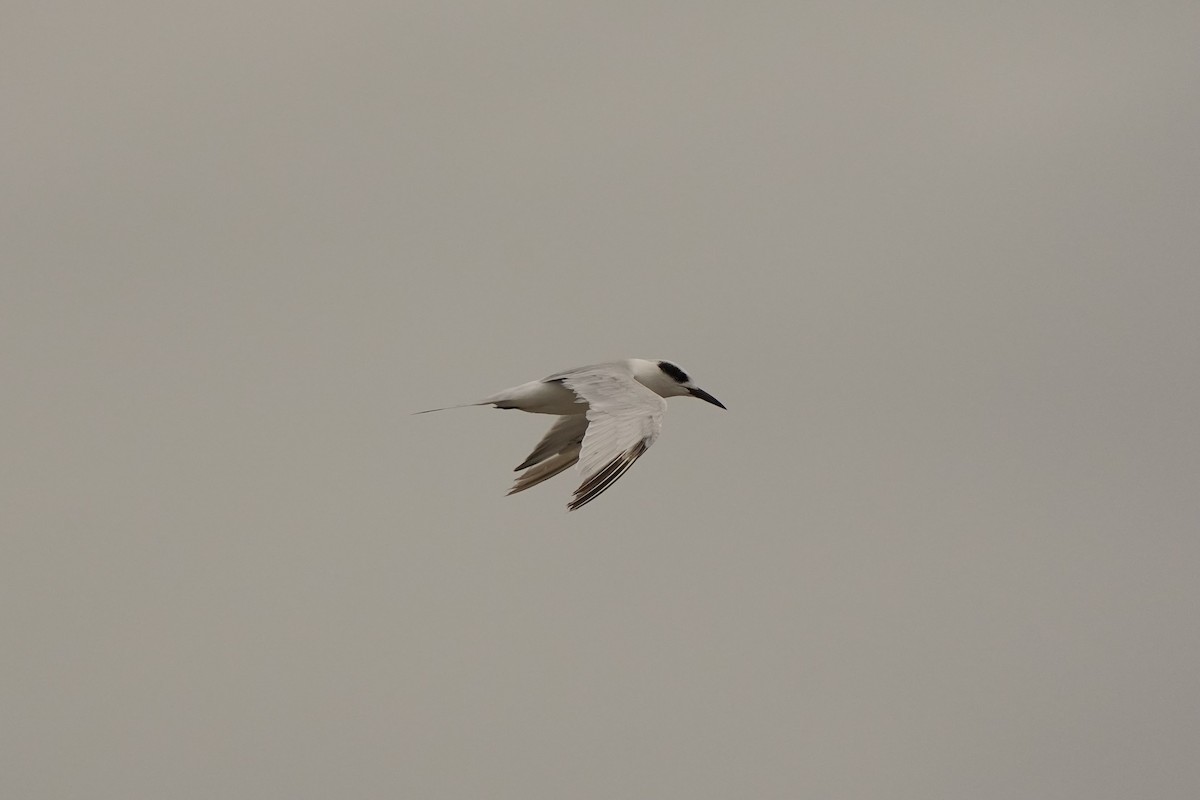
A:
x,y
565,431
624,419
546,469
557,451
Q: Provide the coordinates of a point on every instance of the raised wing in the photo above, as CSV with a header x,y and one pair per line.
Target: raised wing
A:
x,y
557,450
624,419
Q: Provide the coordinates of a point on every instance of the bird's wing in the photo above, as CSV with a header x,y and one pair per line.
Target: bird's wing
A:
x,y
624,419
565,431
557,450
546,469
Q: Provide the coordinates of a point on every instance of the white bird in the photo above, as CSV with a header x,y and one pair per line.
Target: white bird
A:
x,y
608,416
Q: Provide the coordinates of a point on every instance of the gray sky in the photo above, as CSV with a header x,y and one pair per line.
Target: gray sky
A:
x,y
939,260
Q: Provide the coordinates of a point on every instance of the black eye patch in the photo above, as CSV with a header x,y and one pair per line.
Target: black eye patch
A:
x,y
678,375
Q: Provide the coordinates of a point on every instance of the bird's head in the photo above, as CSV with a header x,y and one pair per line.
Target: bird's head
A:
x,y
666,379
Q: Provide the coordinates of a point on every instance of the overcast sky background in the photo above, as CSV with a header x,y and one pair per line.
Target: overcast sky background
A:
x,y
940,260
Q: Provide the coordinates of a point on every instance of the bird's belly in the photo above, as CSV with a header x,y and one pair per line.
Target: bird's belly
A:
x,y
542,397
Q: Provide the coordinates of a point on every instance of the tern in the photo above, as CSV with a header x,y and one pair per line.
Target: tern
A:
x,y
608,416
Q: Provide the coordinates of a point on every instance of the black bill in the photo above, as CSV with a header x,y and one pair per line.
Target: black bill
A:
x,y
706,397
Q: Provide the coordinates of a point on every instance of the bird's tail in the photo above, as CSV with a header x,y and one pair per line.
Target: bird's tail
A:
x,y
447,408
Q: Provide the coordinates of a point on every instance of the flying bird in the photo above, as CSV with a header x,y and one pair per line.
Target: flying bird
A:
x,y
608,416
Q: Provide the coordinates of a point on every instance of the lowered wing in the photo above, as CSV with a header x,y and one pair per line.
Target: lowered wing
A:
x,y
624,418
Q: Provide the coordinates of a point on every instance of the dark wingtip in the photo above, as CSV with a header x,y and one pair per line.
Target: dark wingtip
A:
x,y
596,485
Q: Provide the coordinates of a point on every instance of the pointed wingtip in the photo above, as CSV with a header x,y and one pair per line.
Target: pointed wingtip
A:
x,y
600,482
